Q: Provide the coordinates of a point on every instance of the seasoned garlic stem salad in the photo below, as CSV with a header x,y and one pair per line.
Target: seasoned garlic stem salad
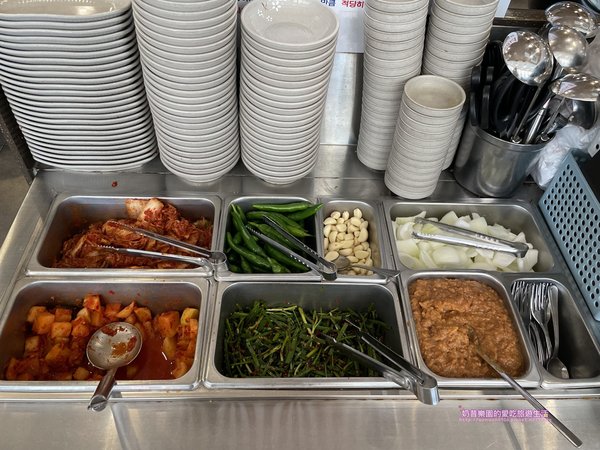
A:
x,y
422,254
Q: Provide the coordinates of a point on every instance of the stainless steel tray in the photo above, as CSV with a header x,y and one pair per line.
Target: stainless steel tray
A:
x,y
70,214
516,215
227,225
531,377
159,296
378,240
310,296
578,350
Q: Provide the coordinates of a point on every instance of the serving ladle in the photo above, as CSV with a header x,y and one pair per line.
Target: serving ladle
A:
x,y
573,86
110,347
569,48
568,434
530,60
573,15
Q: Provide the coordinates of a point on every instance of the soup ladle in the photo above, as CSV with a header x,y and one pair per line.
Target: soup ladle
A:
x,y
573,15
530,60
110,347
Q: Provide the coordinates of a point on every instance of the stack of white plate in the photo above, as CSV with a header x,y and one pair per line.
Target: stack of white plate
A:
x,y
188,51
287,51
429,110
394,37
70,70
457,35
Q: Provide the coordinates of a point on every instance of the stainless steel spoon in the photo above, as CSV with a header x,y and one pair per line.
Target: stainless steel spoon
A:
x,y
568,434
529,59
573,15
112,346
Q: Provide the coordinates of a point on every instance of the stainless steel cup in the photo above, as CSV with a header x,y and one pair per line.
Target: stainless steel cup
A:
x,y
491,167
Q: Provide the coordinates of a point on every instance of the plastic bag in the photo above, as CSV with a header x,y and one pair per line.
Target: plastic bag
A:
x,y
569,139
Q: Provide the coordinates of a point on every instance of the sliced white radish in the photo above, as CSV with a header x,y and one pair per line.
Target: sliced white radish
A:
x,y
403,220
479,225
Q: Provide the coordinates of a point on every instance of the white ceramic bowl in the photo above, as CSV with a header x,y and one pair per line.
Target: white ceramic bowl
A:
x,y
315,61
468,7
407,35
433,50
186,21
199,130
201,54
285,54
397,7
415,20
393,46
173,28
149,31
191,52
184,7
173,11
290,24
458,38
460,19
180,112
279,66
395,54
434,96
443,45
299,86
421,8
463,28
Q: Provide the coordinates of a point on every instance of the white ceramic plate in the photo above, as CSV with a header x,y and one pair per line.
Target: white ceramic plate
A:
x,y
63,10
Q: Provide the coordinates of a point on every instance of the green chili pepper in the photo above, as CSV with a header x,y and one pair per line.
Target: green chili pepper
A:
x,y
285,259
282,207
248,239
305,213
287,224
254,259
246,267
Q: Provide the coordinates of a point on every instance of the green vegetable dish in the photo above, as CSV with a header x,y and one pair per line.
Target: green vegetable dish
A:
x,y
283,341
247,254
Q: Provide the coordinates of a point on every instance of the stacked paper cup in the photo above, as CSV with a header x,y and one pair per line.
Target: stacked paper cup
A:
x,y
429,111
188,52
457,35
394,39
287,51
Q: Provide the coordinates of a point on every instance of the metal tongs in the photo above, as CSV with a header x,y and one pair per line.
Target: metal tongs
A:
x,y
470,239
327,269
207,257
401,372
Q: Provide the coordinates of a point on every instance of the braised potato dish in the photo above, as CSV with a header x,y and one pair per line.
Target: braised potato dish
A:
x,y
56,339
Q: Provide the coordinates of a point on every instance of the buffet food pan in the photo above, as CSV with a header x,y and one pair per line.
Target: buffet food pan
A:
x,y
517,216
577,349
157,296
530,376
70,214
245,204
377,238
309,296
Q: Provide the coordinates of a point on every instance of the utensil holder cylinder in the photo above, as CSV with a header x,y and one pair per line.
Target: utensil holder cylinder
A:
x,y
491,167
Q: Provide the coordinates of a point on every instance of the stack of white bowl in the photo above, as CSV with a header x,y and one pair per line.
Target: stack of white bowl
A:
x,y
287,51
188,52
71,73
457,35
429,110
394,39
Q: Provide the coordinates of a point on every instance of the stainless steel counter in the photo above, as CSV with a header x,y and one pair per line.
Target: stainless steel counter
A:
x,y
256,419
